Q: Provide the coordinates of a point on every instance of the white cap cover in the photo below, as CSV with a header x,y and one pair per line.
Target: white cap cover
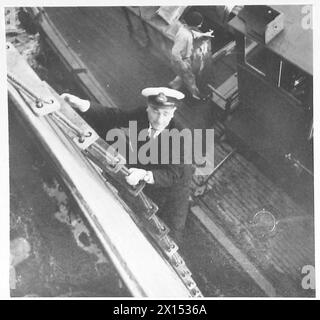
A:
x,y
154,91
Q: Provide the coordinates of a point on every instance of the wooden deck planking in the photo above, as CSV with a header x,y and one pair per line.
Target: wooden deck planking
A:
x,y
280,259
263,185
294,236
287,254
277,196
254,273
287,251
252,195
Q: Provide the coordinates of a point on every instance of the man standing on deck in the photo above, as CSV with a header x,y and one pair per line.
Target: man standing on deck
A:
x,y
187,54
168,185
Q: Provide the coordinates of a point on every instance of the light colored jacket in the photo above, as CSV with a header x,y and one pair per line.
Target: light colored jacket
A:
x,y
183,44
188,53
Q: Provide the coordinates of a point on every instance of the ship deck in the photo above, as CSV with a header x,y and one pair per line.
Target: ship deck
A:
x,y
122,68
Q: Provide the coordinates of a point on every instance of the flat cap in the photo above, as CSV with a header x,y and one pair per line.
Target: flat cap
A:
x,y
162,97
193,19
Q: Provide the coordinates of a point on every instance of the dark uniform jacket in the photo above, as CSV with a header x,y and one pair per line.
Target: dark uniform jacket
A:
x,y
171,188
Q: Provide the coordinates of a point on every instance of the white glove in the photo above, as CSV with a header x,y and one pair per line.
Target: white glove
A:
x,y
75,102
198,34
209,34
135,176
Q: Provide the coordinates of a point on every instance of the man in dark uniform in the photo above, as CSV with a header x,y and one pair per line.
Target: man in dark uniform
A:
x,y
168,184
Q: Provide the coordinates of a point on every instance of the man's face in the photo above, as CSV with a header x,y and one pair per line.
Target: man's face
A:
x,y
160,118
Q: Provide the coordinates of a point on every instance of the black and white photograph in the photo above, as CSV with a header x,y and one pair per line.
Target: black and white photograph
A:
x,y
162,152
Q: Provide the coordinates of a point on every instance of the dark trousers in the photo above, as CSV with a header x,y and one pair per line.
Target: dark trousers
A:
x,y
173,206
